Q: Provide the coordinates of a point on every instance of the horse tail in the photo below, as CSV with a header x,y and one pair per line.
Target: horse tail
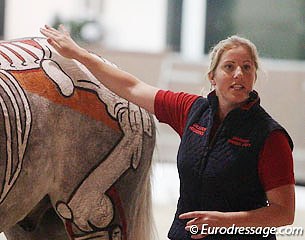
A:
x,y
143,226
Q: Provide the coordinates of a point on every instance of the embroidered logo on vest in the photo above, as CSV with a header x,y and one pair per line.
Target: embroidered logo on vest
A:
x,y
240,142
196,128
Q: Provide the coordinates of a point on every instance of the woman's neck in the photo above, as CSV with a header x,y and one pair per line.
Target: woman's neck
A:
x,y
224,109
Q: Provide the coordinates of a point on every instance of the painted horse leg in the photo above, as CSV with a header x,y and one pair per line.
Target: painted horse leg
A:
x,y
91,194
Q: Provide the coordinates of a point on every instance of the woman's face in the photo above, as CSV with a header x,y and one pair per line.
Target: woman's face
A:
x,y
234,77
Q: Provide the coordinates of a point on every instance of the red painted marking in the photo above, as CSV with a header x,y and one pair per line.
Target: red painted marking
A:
x,y
14,52
87,103
31,43
69,230
114,195
7,58
26,50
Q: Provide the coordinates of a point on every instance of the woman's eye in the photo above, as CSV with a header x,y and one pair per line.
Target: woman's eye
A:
x,y
229,66
247,67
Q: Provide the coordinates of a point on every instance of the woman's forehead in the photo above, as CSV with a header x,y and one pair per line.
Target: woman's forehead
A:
x,y
238,53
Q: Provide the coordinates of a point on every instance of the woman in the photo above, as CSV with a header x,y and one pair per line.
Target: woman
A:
x,y
235,162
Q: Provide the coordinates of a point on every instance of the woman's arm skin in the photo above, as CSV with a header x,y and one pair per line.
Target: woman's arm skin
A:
x,y
120,82
280,212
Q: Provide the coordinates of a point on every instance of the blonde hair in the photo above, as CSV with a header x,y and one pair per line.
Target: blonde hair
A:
x,y
229,43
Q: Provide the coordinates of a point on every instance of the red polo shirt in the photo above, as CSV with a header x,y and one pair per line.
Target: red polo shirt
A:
x,y
275,165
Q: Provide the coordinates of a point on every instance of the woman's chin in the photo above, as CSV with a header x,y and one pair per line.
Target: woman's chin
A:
x,y
239,96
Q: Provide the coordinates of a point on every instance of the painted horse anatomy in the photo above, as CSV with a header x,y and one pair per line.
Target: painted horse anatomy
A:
x,y
74,157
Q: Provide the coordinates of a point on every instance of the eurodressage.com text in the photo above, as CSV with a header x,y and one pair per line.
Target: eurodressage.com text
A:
x,y
265,231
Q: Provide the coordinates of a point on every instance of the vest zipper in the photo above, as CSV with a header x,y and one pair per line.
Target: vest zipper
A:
x,y
210,146
213,140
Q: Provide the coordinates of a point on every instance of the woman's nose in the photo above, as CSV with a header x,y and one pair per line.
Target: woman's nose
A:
x,y
238,72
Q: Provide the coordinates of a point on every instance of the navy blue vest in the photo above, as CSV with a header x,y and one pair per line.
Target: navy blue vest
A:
x,y
221,174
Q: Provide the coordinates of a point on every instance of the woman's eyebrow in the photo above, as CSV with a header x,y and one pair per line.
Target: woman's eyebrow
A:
x,y
229,61
249,60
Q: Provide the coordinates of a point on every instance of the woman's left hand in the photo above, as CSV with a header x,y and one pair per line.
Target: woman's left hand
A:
x,y
203,220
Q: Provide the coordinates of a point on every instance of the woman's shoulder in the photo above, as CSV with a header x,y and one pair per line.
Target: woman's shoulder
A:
x,y
168,94
264,120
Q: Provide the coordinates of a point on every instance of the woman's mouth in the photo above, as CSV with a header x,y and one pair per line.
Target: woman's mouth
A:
x,y
237,87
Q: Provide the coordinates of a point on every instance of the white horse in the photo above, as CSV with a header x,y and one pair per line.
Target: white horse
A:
x,y
74,157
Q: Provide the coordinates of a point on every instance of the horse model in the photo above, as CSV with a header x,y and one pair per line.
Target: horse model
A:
x,y
74,157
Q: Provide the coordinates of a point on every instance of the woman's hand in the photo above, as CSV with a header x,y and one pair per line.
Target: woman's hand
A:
x,y
204,219
62,42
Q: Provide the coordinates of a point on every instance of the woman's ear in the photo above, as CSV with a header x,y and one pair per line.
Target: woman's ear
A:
x,y
211,78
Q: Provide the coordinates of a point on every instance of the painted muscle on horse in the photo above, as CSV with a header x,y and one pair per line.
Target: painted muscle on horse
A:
x,y
69,143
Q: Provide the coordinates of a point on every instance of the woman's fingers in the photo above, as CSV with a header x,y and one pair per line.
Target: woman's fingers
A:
x,y
55,38
64,30
54,44
45,33
51,29
49,33
52,32
194,214
194,221
198,236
